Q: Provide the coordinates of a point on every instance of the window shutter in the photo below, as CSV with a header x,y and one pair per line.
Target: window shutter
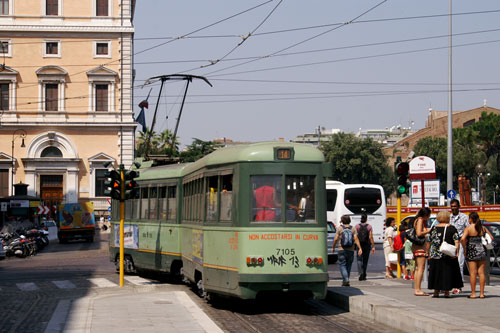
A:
x,y
51,92
4,96
52,7
101,97
102,8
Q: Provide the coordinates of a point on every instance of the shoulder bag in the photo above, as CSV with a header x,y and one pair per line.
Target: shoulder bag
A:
x,y
487,241
447,248
411,234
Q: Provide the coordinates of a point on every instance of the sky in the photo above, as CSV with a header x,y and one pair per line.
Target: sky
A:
x,y
280,69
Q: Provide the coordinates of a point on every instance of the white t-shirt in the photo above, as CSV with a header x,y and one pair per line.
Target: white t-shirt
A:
x,y
389,233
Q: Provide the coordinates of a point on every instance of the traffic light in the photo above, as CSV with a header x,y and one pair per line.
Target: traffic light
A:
x,y
131,188
402,169
112,184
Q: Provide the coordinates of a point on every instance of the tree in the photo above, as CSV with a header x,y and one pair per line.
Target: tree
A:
x,y
197,150
165,143
142,141
358,161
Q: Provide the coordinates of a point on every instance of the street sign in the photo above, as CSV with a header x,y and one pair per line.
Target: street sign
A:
x,y
109,209
451,194
43,210
431,187
422,167
4,207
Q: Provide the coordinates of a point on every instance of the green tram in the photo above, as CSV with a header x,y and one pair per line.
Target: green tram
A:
x,y
241,221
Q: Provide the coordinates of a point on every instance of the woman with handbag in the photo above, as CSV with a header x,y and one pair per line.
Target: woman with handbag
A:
x,y
420,247
444,269
475,252
388,241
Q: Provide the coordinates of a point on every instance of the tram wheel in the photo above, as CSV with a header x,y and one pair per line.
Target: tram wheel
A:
x,y
200,289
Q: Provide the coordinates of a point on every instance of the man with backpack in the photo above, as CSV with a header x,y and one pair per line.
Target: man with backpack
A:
x,y
348,238
365,237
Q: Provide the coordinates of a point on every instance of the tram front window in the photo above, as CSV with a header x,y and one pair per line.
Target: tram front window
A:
x,y
266,198
300,205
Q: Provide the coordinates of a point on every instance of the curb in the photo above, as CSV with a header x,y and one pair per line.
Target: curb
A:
x,y
398,315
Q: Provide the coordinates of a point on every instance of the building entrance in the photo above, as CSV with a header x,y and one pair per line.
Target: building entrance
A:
x,y
51,189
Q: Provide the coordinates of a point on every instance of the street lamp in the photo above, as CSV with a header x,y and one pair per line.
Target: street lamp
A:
x,y
19,133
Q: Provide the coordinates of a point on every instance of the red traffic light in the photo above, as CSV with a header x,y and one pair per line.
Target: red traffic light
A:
x,y
402,168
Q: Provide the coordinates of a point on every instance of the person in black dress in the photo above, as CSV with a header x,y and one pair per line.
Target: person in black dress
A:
x,y
444,271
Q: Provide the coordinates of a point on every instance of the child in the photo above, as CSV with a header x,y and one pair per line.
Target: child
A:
x,y
410,262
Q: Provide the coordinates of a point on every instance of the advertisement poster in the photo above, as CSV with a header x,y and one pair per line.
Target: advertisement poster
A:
x,y
130,236
76,215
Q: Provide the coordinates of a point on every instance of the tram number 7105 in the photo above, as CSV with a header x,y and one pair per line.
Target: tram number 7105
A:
x,y
285,252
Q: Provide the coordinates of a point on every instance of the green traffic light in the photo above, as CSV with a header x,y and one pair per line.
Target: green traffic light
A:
x,y
401,189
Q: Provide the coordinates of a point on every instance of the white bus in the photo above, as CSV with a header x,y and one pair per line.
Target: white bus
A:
x,y
355,199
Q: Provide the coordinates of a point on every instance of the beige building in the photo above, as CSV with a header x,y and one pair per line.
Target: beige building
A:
x,y
66,77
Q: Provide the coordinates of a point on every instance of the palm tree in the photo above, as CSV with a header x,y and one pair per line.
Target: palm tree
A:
x,y
165,143
142,141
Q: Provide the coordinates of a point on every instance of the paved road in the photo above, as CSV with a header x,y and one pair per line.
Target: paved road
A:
x,y
37,292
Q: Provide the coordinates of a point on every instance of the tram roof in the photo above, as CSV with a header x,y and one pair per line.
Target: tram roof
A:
x,y
162,171
256,152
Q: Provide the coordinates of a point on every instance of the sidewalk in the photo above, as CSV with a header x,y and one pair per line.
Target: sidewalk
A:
x,y
125,311
392,303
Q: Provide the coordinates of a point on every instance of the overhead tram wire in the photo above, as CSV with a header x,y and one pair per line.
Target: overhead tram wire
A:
x,y
353,58
244,38
327,25
325,50
303,41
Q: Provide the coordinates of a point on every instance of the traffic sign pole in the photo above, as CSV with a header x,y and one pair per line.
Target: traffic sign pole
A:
x,y
122,226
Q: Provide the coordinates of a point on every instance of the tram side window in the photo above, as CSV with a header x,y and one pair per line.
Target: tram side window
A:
x,y
226,198
172,202
211,198
135,208
266,198
300,204
144,202
199,199
128,209
153,203
162,202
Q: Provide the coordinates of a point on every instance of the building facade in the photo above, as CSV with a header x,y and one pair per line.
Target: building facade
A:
x,y
66,96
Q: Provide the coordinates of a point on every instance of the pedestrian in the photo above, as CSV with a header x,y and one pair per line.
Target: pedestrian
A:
x,y
460,221
444,270
420,250
348,238
390,222
475,253
399,248
365,236
410,262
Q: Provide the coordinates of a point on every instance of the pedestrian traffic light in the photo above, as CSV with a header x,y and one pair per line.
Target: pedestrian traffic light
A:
x,y
112,184
402,169
131,188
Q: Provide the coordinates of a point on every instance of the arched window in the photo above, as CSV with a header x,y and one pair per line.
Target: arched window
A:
x,y
51,152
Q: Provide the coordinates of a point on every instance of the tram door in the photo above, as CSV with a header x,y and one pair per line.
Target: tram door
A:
x,y
51,191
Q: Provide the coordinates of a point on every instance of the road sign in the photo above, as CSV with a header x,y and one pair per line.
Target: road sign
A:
x,y
451,194
109,209
431,187
422,167
4,207
43,210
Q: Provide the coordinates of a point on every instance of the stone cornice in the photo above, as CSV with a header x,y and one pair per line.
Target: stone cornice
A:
x,y
66,28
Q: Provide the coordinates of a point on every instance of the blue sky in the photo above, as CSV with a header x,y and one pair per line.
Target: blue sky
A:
x,y
387,67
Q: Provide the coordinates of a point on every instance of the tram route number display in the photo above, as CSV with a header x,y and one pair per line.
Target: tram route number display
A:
x,y
281,236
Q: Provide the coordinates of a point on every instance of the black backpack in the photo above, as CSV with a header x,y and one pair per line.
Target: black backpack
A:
x,y
363,234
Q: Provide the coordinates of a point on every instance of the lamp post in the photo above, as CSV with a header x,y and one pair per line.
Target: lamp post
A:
x,y
19,133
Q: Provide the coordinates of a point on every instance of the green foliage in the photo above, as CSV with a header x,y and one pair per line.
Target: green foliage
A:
x,y
197,150
358,161
160,144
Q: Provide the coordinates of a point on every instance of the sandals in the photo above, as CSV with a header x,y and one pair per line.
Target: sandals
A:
x,y
422,294
472,297
390,277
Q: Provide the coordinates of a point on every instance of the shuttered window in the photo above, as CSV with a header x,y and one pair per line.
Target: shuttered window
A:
x,y
4,96
101,97
102,48
52,7
4,7
4,182
51,92
102,8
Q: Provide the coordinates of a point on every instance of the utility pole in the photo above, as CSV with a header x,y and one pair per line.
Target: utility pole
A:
x,y
449,166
